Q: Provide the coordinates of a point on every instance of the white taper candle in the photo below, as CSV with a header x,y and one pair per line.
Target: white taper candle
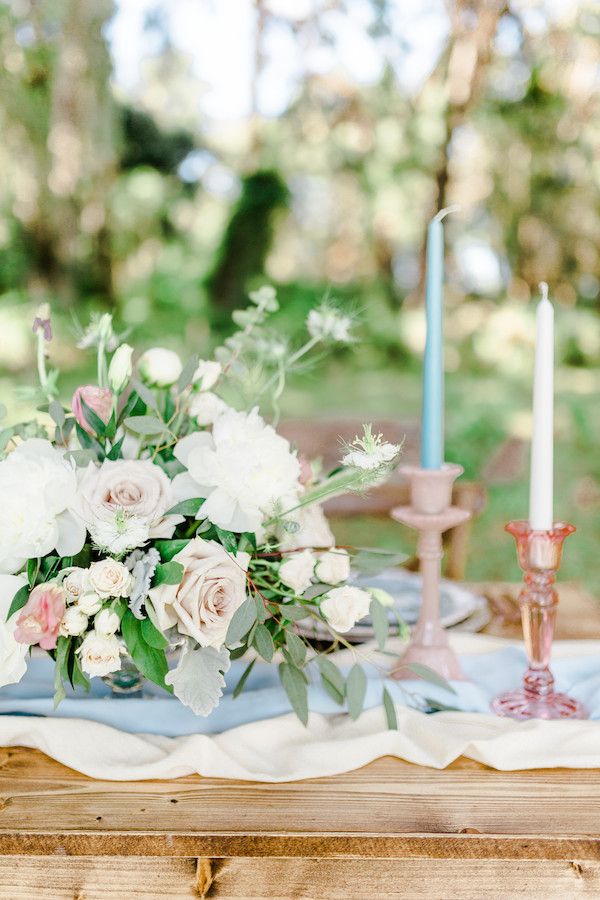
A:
x,y
541,485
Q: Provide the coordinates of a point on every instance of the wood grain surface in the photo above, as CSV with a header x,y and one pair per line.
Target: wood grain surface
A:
x,y
388,830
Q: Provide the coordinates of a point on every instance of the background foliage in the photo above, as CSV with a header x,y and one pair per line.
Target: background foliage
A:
x,y
160,159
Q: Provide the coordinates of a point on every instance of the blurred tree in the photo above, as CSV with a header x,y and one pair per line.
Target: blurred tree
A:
x,y
57,113
246,241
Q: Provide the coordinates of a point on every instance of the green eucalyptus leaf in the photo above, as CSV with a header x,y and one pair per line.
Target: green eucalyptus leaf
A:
x,y
379,618
145,394
240,685
242,621
431,676
356,689
295,687
330,672
187,373
148,426
263,642
390,711
371,561
56,412
296,647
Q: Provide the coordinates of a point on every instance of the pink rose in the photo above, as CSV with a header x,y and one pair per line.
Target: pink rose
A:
x,y
99,399
40,618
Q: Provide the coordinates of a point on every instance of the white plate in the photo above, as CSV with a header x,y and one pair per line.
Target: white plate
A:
x,y
456,604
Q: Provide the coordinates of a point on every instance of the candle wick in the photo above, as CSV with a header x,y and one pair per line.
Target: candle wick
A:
x,y
454,207
543,290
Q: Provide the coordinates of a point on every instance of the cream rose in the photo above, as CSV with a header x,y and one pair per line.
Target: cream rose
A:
x,y
213,586
344,606
135,489
100,654
109,578
73,585
312,529
296,571
73,622
89,603
333,567
106,622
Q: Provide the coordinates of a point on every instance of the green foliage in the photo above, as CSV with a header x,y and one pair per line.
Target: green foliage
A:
x,y
150,660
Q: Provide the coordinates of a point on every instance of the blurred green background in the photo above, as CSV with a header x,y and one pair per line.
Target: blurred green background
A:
x,y
158,159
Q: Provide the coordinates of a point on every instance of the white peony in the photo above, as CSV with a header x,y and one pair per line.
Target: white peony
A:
x,y
333,567
159,367
109,578
244,470
100,654
312,529
344,606
106,622
89,603
73,622
296,571
207,407
207,374
38,488
12,652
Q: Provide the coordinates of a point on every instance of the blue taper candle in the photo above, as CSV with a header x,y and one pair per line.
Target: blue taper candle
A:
x,y
432,419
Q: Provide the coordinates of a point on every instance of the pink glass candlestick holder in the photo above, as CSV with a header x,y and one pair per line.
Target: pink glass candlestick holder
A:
x,y
539,554
430,513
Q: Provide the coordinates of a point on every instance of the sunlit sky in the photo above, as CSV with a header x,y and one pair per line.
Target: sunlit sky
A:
x,y
218,36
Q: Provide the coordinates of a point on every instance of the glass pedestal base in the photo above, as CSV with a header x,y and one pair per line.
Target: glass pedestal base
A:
x,y
523,705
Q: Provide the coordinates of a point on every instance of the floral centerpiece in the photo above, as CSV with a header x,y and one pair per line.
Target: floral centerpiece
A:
x,y
151,523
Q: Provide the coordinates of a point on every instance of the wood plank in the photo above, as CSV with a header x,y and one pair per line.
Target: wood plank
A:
x,y
22,878
387,808
311,879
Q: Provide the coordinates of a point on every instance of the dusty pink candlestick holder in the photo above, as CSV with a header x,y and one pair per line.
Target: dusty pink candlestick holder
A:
x,y
539,554
430,513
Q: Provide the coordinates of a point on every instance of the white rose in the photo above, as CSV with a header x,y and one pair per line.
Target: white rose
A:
x,y
73,622
106,622
100,654
212,587
207,407
313,529
160,367
39,495
344,606
89,603
73,584
119,371
296,571
12,652
207,374
109,578
333,567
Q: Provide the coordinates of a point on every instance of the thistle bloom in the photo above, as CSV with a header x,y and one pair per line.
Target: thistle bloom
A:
x,y
40,618
98,399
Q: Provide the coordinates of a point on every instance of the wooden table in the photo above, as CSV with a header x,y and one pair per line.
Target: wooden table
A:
x,y
389,830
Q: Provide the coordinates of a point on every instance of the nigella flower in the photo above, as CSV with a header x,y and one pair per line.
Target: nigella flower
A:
x,y
370,452
142,565
327,324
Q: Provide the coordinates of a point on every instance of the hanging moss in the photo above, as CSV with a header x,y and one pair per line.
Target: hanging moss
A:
x,y
246,242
